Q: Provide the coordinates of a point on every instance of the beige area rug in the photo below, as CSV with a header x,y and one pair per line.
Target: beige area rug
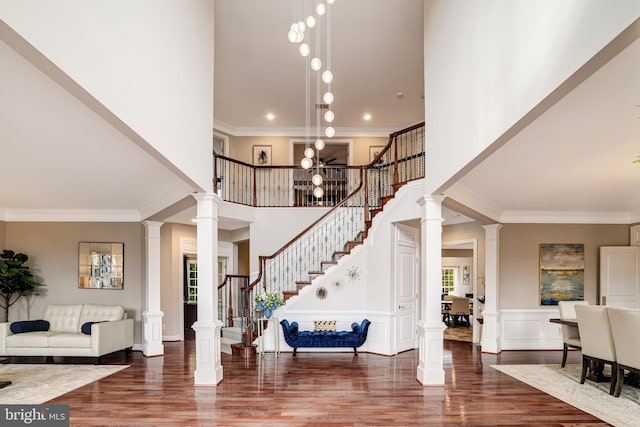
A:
x,y
591,397
458,334
40,383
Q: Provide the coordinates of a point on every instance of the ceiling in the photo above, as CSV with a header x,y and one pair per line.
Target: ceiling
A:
x,y
571,164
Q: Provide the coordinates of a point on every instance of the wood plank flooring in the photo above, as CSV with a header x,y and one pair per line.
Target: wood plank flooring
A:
x,y
321,389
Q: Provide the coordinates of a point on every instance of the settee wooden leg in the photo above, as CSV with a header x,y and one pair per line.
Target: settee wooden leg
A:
x,y
294,351
128,351
355,352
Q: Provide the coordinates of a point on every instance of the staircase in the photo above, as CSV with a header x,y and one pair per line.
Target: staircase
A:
x,y
322,244
346,250
230,335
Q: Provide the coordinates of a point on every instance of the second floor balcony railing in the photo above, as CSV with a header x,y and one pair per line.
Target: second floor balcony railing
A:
x,y
401,160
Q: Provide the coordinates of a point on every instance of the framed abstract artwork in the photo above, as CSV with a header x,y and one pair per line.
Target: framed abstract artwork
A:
x,y
262,155
561,272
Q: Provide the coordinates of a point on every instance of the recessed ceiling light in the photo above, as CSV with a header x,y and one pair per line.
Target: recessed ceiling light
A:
x,y
270,116
367,116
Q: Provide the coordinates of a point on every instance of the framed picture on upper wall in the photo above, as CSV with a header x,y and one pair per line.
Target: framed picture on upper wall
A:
x,y
262,155
374,150
561,272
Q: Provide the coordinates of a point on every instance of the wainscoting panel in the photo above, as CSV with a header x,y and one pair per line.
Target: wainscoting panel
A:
x,y
530,329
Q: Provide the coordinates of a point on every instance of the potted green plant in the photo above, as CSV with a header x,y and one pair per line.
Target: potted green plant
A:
x,y
267,302
15,279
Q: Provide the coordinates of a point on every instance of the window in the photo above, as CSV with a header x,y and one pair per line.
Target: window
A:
x,y
448,280
192,280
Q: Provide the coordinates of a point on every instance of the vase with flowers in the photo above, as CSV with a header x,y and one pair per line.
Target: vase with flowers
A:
x,y
267,302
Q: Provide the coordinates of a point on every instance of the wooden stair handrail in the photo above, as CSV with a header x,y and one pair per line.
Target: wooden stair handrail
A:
x,y
263,258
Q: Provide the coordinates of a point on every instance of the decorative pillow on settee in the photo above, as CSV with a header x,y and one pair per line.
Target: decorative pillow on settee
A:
x,y
324,325
86,327
29,326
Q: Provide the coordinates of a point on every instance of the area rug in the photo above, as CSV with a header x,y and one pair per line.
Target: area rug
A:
x,y
458,334
591,397
40,383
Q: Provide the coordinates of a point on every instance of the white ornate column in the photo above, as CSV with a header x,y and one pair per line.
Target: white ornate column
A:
x,y
491,316
152,316
207,327
430,326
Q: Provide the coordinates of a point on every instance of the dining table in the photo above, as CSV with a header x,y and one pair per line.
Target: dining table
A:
x,y
595,369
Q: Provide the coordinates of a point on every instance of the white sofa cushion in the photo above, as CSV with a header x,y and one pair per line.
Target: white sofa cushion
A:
x,y
70,340
63,317
99,313
30,339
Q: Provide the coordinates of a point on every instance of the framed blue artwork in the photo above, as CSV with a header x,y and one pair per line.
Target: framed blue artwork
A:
x,y
561,272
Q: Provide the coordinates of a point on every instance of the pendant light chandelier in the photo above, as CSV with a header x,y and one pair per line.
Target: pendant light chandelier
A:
x,y
309,18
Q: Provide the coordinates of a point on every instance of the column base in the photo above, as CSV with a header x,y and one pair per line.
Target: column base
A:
x,y
152,331
491,333
430,336
208,362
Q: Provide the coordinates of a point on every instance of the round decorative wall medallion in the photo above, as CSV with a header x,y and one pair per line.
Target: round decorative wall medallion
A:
x,y
321,293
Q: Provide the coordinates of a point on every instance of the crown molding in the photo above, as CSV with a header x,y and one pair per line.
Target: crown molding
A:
x,y
464,196
566,217
72,215
341,132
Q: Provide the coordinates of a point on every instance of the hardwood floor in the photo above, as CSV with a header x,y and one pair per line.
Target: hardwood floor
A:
x,y
321,389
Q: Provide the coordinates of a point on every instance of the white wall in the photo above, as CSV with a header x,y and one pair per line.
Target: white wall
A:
x,y
273,227
150,62
488,63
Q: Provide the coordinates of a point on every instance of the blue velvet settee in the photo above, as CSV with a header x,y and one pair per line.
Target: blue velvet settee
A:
x,y
353,338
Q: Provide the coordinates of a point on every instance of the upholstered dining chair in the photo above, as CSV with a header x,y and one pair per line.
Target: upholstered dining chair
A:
x,y
460,310
597,340
570,334
446,308
625,327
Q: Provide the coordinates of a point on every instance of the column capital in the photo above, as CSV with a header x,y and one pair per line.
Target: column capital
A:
x,y
431,198
492,227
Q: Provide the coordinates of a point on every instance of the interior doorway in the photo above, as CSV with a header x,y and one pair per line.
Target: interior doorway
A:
x,y
460,259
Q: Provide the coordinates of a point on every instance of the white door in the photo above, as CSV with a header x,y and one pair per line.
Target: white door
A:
x,y
406,287
620,276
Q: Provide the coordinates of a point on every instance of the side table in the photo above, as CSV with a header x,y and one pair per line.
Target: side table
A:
x,y
273,322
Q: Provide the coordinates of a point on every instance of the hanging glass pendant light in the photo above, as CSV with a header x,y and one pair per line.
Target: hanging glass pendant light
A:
x,y
319,144
318,192
316,64
308,153
306,163
329,116
330,132
316,179
304,49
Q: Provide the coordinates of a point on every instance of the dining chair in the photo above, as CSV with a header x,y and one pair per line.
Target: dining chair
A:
x,y
570,334
597,340
460,310
445,310
625,327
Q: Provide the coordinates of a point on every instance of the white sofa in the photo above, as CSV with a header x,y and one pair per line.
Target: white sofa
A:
x,y
112,332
